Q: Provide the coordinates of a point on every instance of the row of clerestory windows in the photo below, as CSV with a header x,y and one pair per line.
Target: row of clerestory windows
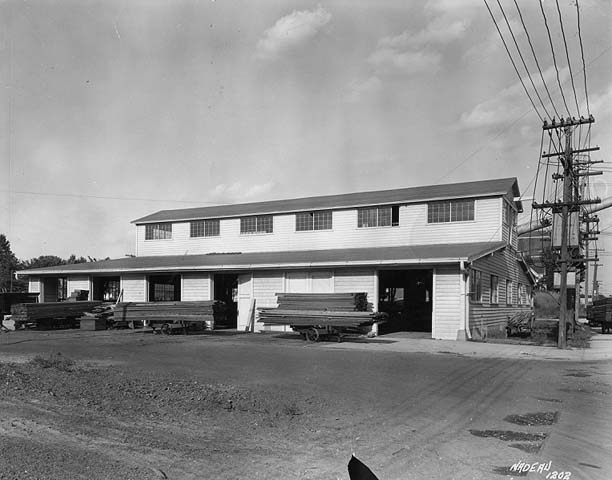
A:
x,y
367,217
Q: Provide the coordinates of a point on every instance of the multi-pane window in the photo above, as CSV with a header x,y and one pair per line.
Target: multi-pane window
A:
x,y
321,220
450,211
204,228
476,286
256,224
524,292
508,292
378,217
158,231
494,289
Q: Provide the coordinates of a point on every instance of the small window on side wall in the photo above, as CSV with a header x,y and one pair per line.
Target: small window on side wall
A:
x,y
158,231
476,286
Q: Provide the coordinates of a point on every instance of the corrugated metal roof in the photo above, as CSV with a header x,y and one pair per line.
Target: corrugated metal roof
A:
x,y
405,255
481,188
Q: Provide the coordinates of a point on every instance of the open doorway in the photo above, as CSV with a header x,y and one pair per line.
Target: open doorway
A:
x,y
406,296
106,289
226,291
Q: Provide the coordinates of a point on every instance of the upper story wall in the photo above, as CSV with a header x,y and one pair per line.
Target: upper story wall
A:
x,y
413,229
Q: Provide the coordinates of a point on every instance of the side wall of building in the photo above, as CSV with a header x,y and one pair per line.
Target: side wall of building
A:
x,y
413,229
489,317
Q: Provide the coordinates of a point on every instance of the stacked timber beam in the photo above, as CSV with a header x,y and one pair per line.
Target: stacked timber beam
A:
x,y
339,302
320,309
49,313
168,312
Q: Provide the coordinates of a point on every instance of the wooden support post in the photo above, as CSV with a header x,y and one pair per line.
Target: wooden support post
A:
x,y
565,258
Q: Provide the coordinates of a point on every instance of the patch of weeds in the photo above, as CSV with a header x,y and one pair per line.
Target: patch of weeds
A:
x,y
509,435
581,337
291,410
529,447
53,361
539,418
507,471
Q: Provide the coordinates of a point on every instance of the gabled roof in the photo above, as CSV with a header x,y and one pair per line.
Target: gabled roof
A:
x,y
483,188
379,256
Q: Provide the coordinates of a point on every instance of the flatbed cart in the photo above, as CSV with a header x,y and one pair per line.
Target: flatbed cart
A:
x,y
170,327
316,333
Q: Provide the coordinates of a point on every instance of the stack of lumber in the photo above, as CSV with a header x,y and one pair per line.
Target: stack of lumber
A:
x,y
321,309
10,298
601,313
168,312
100,318
304,318
334,302
32,312
78,296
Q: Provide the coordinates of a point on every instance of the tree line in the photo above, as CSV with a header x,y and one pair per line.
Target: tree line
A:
x,y
9,264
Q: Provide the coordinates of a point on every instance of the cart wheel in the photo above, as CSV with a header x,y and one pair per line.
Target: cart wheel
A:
x,y
312,335
165,329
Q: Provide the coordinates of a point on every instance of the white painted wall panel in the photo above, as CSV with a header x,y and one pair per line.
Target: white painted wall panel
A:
x,y
34,285
245,295
196,286
133,288
356,280
413,230
446,321
79,282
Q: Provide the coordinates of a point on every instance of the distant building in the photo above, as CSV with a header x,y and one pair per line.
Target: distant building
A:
x,y
441,259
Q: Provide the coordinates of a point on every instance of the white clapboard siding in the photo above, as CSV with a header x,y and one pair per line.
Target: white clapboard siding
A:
x,y
487,319
79,282
245,296
413,230
196,286
354,280
134,287
34,285
447,303
265,287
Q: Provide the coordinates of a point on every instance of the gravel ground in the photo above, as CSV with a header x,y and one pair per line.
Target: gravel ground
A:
x,y
119,405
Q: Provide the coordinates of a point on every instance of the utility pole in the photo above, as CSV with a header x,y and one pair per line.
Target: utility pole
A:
x,y
566,239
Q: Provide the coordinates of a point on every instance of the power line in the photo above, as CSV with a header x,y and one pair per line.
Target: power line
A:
x,y
586,94
552,48
569,65
522,59
512,60
77,195
536,59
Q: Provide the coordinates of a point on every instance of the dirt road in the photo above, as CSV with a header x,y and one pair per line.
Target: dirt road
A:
x,y
102,405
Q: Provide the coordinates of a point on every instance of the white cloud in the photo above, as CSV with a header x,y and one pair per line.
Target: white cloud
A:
x,y
361,89
440,30
512,102
388,60
291,31
240,192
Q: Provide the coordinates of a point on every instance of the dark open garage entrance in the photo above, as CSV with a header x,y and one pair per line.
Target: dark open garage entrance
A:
x,y
226,291
406,295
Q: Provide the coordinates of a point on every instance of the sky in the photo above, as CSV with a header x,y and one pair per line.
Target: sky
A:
x,y
112,110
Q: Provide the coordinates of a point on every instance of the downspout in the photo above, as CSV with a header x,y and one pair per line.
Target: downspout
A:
x,y
465,313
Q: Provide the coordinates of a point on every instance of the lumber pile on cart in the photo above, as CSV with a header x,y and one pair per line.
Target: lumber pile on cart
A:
x,y
152,313
600,313
304,318
335,302
50,314
322,315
